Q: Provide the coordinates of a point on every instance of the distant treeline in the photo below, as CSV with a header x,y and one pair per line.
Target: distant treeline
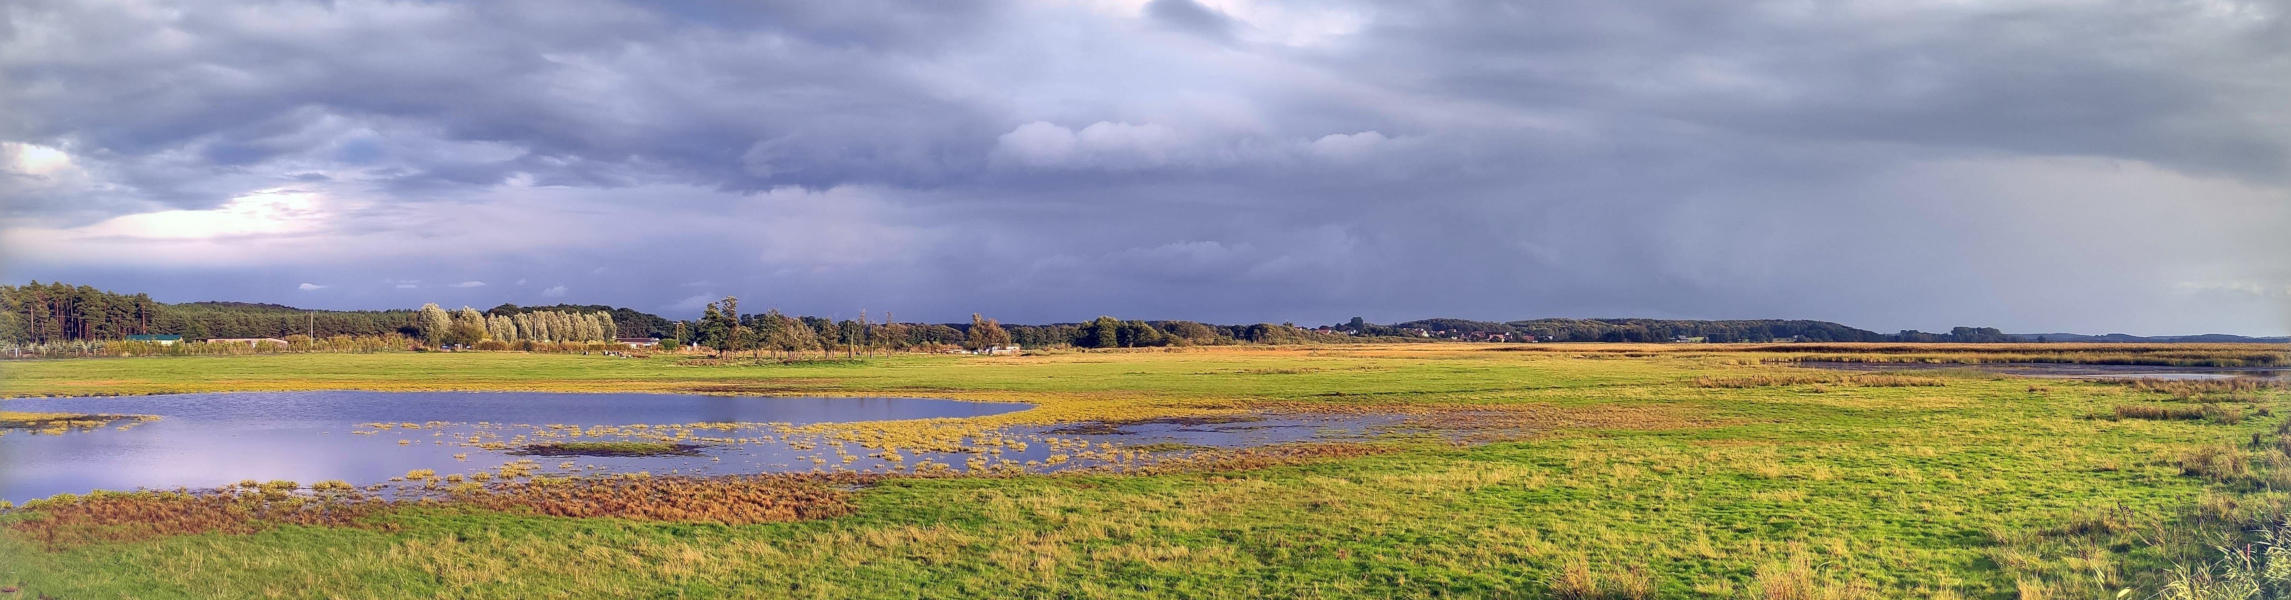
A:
x,y
39,313
723,327
55,313
1108,332
50,313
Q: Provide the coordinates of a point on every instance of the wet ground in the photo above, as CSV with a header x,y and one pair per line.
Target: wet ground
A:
x,y
427,438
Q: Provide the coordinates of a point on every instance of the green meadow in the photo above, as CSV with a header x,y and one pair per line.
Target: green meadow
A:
x,y
1579,472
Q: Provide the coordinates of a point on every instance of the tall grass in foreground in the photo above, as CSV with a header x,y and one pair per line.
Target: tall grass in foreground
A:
x,y
2258,570
2247,537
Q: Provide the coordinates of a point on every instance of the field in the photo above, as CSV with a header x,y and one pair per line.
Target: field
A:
x,y
1575,471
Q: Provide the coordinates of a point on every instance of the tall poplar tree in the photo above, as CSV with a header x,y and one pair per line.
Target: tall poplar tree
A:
x,y
435,324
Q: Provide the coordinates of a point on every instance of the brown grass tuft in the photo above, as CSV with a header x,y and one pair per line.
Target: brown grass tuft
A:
x,y
1796,580
2221,463
1576,581
2209,390
1871,380
2211,412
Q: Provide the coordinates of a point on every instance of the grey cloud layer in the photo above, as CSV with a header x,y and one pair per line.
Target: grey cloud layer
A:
x,y
1886,164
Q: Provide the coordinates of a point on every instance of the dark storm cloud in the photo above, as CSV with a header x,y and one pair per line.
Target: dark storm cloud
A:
x,y
1190,16
1885,164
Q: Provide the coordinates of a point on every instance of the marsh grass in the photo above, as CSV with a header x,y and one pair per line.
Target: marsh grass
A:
x,y
69,521
106,517
719,500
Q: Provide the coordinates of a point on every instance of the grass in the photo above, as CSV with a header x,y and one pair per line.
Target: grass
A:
x,y
1581,472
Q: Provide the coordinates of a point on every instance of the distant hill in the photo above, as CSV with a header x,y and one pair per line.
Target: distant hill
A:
x,y
1760,330
2119,338
1622,330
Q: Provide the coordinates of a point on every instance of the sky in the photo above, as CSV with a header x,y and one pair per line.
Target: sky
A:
x,y
2034,165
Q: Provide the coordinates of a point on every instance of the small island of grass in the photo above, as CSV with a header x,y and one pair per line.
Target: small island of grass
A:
x,y
621,448
53,423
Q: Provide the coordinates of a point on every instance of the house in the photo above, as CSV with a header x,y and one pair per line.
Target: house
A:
x,y
1010,350
163,339
640,342
250,342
